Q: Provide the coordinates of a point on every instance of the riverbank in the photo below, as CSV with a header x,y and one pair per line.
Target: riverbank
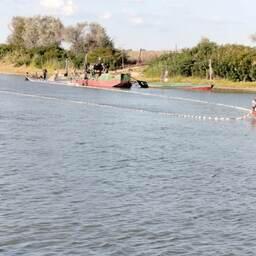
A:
x,y
220,85
137,72
11,69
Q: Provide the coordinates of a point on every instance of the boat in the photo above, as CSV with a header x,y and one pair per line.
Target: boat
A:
x,y
208,87
57,82
97,77
105,81
122,81
188,86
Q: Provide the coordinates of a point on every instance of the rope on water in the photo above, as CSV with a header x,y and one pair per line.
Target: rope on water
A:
x,y
177,115
149,94
209,118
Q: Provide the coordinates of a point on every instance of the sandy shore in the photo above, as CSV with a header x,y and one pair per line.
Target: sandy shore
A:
x,y
12,70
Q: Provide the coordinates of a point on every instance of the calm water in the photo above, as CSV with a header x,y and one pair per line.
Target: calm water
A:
x,y
83,172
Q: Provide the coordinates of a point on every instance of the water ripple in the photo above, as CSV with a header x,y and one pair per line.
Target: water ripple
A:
x,y
79,180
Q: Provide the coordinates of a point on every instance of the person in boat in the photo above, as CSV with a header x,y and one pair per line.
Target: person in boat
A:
x,y
254,105
106,68
98,68
45,74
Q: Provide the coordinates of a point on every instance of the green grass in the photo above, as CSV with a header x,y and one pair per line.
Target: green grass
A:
x,y
219,83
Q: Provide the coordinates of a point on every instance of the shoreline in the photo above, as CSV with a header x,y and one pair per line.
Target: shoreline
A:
x,y
216,88
10,69
220,85
224,86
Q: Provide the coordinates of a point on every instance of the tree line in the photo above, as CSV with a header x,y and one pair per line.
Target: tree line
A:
x,y
230,61
40,40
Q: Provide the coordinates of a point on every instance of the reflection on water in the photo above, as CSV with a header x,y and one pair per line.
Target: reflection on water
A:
x,y
86,179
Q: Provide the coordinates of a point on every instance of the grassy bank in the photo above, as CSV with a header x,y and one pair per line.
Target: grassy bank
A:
x,y
219,83
12,69
139,73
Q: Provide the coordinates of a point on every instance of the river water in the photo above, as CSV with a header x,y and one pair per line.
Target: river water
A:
x,y
94,172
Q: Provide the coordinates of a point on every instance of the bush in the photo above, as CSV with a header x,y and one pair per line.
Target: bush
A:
x,y
233,62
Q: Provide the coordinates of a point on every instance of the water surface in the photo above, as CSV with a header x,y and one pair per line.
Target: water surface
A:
x,y
87,172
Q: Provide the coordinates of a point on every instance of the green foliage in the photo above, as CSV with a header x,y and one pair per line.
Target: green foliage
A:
x,y
77,60
105,54
39,57
5,49
233,62
36,31
37,61
23,60
86,37
36,41
108,56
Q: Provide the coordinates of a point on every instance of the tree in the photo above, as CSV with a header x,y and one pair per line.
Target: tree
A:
x,y
31,35
230,61
17,28
76,36
37,40
50,31
97,37
37,31
87,37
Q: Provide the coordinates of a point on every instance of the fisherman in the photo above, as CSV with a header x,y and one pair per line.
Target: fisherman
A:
x,y
85,74
98,68
27,76
254,104
45,74
86,71
106,68
56,74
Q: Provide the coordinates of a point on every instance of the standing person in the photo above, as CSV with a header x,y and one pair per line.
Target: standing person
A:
x,y
254,105
86,71
45,74
106,68
56,74
27,76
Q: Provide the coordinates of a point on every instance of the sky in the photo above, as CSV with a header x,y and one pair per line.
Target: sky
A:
x,y
147,24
